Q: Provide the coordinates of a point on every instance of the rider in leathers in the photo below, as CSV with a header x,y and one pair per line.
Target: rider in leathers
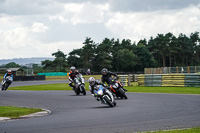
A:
x,y
72,74
93,84
9,73
106,75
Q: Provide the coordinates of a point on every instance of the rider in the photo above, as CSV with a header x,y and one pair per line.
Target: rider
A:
x,y
106,75
8,73
93,84
72,74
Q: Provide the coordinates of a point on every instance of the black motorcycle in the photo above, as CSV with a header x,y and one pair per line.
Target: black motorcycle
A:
x,y
117,88
6,83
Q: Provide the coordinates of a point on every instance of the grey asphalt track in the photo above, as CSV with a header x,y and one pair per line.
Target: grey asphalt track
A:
x,y
83,114
40,82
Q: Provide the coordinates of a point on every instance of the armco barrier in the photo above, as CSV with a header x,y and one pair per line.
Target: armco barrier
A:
x,y
124,79
28,78
127,79
187,80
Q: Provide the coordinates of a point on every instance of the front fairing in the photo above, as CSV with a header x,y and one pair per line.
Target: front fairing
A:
x,y
102,92
99,91
9,79
80,79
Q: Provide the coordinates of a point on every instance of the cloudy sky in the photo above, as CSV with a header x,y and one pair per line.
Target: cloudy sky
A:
x,y
37,28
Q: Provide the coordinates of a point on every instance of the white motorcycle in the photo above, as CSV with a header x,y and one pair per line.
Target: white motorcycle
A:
x,y
79,84
6,83
103,94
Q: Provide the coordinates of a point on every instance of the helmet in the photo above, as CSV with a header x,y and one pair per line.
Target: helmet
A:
x,y
91,81
9,71
73,69
104,71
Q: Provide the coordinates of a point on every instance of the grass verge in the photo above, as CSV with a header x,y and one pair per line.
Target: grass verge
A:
x,y
15,112
67,77
191,130
176,90
65,86
62,86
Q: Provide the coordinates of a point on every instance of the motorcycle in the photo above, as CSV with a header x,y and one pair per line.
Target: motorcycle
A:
x,y
117,88
79,84
103,94
6,83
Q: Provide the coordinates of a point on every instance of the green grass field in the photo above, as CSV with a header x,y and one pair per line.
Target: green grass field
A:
x,y
65,86
1,78
67,77
15,112
191,130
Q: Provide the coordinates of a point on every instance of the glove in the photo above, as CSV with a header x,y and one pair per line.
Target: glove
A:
x,y
104,85
97,99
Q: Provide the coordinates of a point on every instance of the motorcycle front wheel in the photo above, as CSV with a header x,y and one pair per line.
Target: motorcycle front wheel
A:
x,y
83,90
77,92
108,101
122,94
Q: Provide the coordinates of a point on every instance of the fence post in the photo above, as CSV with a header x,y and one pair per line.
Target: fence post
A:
x,y
188,68
129,79
176,69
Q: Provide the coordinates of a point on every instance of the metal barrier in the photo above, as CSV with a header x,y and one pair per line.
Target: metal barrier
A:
x,y
187,80
168,70
124,79
127,79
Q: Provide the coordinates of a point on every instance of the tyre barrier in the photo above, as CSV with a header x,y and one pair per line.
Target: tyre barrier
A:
x,y
184,80
123,79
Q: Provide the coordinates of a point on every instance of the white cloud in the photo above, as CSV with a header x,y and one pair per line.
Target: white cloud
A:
x,y
21,42
60,18
39,27
136,26
87,12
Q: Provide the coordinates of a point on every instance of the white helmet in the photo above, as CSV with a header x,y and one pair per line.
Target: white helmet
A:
x,y
91,81
9,71
73,69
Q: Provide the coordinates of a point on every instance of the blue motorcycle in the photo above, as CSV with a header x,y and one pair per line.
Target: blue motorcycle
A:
x,y
104,95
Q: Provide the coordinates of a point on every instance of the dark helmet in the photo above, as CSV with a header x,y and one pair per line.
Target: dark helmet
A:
x,y
73,69
91,81
104,71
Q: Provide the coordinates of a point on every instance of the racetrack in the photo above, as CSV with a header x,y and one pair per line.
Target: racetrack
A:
x,y
40,82
70,113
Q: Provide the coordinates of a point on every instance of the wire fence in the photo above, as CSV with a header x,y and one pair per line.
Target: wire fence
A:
x,y
168,70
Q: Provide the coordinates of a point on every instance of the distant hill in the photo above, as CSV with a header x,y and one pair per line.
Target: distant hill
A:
x,y
23,61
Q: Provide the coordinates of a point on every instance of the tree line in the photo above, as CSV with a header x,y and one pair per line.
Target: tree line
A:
x,y
164,50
